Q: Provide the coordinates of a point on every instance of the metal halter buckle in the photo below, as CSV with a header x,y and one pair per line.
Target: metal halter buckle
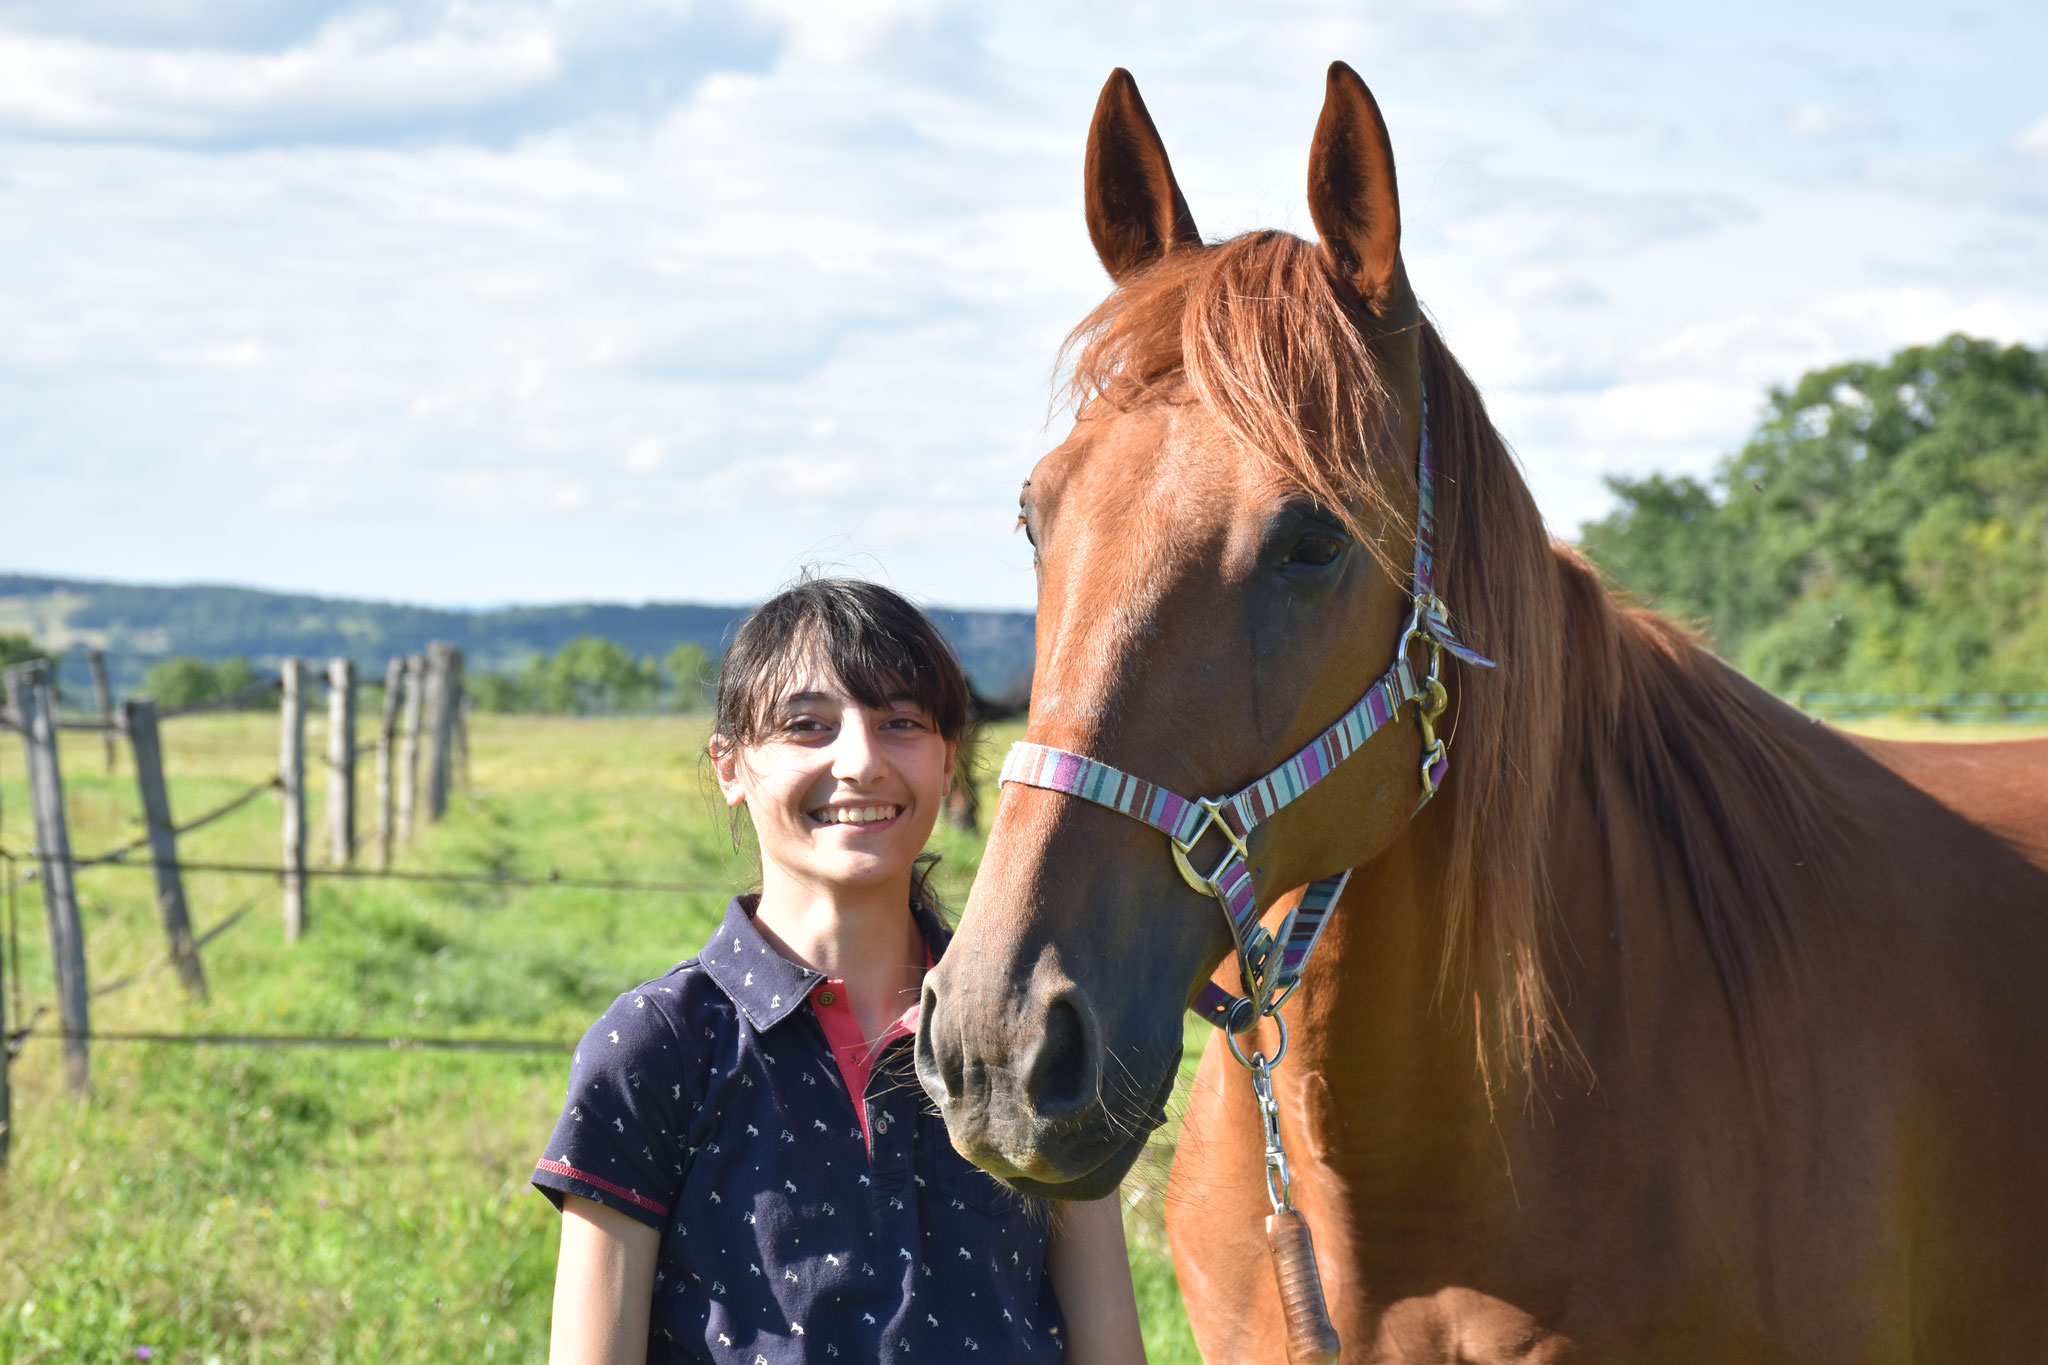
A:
x,y
1435,697
1212,818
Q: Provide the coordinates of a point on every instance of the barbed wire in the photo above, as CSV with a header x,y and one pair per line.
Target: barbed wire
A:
x,y
229,807
385,1043
553,879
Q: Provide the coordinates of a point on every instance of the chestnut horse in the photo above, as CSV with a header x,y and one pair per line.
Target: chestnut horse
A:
x,y
1678,1027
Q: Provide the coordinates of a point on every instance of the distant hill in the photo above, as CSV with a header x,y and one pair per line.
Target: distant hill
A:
x,y
137,625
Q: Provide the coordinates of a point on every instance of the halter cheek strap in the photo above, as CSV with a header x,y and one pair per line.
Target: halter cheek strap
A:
x,y
1270,964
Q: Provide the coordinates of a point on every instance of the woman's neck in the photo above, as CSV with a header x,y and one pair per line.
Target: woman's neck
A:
x,y
864,936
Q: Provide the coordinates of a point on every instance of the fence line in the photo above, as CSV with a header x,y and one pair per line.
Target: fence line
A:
x,y
553,879
228,807
143,974
389,1043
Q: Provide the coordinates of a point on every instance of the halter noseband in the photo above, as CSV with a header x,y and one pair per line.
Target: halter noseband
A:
x,y
1270,964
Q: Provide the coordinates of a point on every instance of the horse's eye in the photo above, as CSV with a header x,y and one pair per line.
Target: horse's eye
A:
x,y
1314,550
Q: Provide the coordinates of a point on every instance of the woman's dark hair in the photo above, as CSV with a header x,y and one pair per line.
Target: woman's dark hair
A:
x,y
879,648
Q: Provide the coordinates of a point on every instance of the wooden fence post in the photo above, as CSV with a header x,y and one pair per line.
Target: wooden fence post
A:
x,y
444,693
409,759
341,761
462,742
103,697
6,1047
291,773
387,729
35,708
140,715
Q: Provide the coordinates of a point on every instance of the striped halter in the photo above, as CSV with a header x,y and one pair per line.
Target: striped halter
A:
x,y
1270,964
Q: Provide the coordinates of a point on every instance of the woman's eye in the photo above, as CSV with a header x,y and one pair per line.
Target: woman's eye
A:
x,y
1314,550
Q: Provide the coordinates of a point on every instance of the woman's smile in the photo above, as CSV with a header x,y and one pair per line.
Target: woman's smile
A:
x,y
862,815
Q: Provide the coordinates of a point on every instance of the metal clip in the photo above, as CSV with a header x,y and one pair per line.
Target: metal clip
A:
x,y
1278,1190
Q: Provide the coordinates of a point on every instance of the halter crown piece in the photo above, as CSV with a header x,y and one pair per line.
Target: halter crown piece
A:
x,y
1270,964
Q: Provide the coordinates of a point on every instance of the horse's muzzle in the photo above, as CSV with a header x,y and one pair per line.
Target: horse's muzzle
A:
x,y
1025,1100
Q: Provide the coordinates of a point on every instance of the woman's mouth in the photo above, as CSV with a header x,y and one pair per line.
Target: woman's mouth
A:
x,y
855,815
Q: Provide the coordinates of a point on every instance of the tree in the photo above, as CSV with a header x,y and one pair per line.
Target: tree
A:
x,y
591,674
18,649
1885,529
693,675
181,680
187,680
499,693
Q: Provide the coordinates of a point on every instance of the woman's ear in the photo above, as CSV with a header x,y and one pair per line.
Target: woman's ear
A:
x,y
725,762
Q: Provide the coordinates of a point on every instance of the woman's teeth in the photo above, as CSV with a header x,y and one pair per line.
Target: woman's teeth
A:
x,y
854,815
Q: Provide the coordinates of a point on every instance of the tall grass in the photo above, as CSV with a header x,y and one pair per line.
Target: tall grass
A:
x,y
251,1205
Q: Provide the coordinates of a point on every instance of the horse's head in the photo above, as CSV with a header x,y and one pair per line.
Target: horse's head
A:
x,y
1223,549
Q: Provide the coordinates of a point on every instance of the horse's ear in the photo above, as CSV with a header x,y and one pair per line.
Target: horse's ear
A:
x,y
1351,192
1135,210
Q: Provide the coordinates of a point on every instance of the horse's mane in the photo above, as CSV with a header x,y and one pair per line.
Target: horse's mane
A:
x,y
1588,690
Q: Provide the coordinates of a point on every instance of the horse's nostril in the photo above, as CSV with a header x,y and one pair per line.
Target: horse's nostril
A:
x,y
1062,1077
949,1058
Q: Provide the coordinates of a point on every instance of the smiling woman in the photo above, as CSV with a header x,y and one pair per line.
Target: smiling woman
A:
x,y
745,1166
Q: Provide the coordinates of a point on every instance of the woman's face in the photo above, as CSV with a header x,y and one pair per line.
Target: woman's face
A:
x,y
841,794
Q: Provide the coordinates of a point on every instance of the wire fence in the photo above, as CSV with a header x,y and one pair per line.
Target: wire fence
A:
x,y
554,878
354,1042
1960,707
423,717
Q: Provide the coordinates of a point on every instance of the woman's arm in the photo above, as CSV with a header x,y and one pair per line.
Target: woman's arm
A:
x,y
604,1286
1091,1273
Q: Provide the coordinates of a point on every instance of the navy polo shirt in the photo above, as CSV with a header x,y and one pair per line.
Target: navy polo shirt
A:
x,y
707,1104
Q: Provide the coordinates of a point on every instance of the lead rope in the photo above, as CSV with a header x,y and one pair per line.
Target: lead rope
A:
x,y
1270,964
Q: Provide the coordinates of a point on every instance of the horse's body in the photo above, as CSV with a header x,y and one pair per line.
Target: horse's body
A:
x,y
1678,1028
1872,1192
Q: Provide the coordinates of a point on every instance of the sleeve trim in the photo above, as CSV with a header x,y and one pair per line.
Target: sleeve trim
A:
x,y
562,1168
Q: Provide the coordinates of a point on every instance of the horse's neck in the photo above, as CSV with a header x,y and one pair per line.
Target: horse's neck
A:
x,y
1393,1036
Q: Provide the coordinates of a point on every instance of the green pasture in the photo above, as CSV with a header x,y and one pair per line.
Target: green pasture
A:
x,y
246,1205
236,1204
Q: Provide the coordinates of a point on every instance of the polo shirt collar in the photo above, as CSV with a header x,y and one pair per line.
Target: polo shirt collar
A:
x,y
767,986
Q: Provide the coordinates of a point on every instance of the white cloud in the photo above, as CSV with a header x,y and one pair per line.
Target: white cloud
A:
x,y
645,455
2033,138
1815,121
358,65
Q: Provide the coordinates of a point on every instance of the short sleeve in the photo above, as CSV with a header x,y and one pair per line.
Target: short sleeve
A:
x,y
621,1138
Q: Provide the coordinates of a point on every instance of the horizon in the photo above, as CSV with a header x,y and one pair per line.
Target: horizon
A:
x,y
473,608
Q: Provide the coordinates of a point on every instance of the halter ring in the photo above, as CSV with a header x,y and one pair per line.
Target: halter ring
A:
x,y
1248,1062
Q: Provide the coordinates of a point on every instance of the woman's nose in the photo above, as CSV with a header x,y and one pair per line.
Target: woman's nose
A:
x,y
855,754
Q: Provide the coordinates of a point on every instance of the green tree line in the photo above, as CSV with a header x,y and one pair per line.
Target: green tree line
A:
x,y
591,675
1885,529
588,675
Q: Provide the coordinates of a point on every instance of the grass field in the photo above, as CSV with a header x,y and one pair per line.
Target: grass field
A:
x,y
252,1205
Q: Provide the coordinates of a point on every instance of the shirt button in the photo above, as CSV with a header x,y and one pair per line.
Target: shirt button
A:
x,y
826,997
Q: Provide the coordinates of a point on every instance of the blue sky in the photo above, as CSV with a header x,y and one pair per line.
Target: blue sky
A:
x,y
487,302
